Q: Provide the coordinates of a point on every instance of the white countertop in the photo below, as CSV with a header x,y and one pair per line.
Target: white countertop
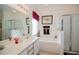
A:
x,y
15,49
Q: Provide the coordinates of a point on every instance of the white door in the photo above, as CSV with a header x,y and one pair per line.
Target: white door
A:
x,y
75,33
66,28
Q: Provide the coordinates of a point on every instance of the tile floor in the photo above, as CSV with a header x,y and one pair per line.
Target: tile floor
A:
x,y
46,53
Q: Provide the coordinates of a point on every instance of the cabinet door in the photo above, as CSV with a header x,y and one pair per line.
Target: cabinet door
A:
x,y
36,47
30,50
24,52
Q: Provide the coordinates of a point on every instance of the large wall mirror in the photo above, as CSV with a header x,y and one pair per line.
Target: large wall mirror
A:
x,y
11,19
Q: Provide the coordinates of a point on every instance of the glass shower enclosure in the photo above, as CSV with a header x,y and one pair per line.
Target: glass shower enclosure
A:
x,y
71,33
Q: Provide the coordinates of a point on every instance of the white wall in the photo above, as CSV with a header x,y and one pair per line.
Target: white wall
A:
x,y
57,11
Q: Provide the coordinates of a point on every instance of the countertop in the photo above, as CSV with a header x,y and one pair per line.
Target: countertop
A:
x,y
15,49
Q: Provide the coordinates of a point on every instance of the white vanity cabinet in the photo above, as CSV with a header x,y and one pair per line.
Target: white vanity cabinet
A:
x,y
32,49
28,51
36,47
26,47
24,52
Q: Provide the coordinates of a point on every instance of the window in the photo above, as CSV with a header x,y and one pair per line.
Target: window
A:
x,y
46,30
34,27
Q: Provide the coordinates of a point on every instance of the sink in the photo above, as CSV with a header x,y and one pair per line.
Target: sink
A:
x,y
1,47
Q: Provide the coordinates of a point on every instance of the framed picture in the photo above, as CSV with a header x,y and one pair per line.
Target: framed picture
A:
x,y
48,19
46,30
27,21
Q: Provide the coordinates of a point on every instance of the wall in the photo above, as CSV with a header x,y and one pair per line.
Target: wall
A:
x,y
57,11
31,9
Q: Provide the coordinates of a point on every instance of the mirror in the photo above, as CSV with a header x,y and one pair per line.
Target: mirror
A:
x,y
11,19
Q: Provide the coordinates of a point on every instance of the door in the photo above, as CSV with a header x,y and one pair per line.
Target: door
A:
x,y
66,28
75,33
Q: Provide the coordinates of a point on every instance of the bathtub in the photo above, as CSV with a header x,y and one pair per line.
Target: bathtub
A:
x,y
51,46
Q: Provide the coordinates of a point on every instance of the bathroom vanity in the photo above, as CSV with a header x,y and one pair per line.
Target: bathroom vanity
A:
x,y
28,46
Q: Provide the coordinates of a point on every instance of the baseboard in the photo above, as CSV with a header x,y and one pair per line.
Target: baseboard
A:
x,y
71,53
47,53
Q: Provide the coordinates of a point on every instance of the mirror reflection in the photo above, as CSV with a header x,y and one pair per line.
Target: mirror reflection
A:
x,y
11,19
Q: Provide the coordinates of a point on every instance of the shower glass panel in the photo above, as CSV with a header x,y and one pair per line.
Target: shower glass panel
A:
x,y
66,28
71,32
75,33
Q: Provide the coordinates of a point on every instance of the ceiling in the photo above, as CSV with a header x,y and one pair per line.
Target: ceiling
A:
x,y
7,8
39,6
